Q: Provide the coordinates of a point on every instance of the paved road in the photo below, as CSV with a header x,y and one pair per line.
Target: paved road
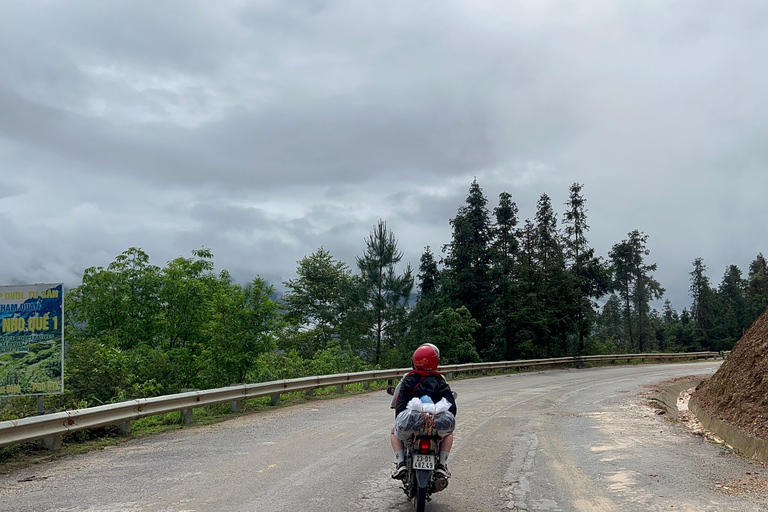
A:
x,y
573,440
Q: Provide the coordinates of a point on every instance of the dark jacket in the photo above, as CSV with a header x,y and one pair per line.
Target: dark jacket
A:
x,y
419,383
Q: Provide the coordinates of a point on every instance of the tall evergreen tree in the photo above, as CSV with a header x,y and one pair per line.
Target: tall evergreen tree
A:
x,y
430,300
685,337
635,285
429,274
555,287
468,263
549,250
703,307
670,335
732,317
589,275
757,287
610,332
422,320
504,243
531,325
646,289
387,292
504,253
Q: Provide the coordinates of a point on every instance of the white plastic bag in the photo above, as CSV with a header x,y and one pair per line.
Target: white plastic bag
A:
x,y
442,406
445,423
415,405
408,423
411,419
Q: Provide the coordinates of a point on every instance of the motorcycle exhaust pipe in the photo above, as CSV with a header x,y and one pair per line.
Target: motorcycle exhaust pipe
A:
x,y
440,484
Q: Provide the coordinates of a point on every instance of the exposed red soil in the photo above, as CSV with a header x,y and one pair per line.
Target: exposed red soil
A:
x,y
738,392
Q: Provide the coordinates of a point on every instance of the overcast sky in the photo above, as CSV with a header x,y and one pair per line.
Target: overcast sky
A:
x,y
266,129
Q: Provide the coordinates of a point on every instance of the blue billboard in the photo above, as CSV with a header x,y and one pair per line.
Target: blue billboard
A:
x,y
31,340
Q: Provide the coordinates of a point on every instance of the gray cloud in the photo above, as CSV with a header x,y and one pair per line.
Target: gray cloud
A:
x,y
265,130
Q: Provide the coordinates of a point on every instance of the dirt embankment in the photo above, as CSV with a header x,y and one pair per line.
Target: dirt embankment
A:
x,y
738,392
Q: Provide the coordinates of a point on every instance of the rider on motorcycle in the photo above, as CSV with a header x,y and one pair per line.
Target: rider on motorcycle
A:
x,y
423,380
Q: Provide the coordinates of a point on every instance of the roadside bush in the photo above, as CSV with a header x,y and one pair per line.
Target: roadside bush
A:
x,y
96,370
335,360
276,366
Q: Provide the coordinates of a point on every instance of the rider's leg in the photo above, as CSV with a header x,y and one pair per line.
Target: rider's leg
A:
x,y
399,447
397,444
447,443
445,449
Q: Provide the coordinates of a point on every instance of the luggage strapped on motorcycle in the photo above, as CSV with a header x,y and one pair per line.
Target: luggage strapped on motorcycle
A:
x,y
428,422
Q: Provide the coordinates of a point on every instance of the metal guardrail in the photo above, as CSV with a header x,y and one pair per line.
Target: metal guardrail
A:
x,y
66,422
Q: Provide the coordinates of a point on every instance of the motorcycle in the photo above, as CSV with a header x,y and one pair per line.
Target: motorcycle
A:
x,y
422,452
421,481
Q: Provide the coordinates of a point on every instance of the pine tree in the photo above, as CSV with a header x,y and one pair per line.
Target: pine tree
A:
x,y
589,275
757,287
468,263
549,251
387,294
636,286
504,254
670,335
555,286
531,326
610,332
702,309
732,318
428,275
422,320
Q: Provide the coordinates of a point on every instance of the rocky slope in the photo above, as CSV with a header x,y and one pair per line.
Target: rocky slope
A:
x,y
738,392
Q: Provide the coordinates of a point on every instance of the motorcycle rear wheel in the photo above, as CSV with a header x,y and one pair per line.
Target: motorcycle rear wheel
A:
x,y
420,500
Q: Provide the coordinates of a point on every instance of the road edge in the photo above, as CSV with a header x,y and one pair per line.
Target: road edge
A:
x,y
751,447
667,397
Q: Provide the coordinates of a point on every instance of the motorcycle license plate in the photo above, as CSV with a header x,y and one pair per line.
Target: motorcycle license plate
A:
x,y
424,462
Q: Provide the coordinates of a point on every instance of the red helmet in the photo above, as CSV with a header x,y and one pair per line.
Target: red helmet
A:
x,y
426,357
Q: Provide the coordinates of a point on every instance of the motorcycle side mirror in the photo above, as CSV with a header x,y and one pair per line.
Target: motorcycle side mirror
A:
x,y
455,394
390,390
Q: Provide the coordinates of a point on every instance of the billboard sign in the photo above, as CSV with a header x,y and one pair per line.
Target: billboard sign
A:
x,y
31,340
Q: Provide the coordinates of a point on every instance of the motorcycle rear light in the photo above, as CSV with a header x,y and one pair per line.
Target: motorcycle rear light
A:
x,y
424,445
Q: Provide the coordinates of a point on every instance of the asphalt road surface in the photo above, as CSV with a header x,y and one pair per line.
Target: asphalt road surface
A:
x,y
559,440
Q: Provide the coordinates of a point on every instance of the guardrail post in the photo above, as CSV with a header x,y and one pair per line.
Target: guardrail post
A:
x,y
366,385
236,405
48,443
309,392
340,388
124,428
450,376
187,416
52,443
275,397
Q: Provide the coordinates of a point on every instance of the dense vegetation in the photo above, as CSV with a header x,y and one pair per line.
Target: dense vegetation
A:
x,y
500,289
